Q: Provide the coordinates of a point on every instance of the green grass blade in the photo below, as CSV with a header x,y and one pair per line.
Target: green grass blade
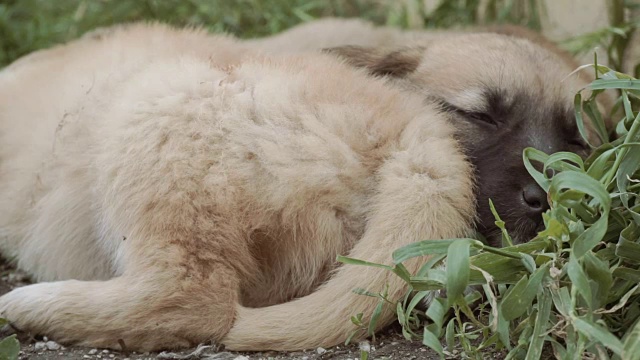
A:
x,y
373,323
604,84
531,154
351,261
520,297
542,320
431,340
457,269
428,247
598,333
579,280
631,346
581,182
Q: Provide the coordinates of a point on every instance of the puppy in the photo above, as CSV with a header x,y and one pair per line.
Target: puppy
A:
x,y
177,188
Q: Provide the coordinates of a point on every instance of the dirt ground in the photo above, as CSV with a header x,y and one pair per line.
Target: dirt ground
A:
x,y
388,345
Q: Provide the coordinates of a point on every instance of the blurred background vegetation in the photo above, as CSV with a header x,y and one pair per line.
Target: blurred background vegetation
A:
x,y
27,25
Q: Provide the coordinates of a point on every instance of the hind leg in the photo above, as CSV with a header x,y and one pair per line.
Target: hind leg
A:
x,y
151,309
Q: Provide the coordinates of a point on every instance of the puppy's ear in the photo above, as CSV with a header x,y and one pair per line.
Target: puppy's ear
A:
x,y
380,62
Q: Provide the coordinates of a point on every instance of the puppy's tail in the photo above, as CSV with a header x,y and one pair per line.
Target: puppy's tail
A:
x,y
411,205
321,318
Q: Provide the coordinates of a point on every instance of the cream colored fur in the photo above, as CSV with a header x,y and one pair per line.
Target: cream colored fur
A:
x,y
169,188
335,32
332,32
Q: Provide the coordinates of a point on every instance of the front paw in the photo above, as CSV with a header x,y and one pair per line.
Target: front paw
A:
x,y
26,308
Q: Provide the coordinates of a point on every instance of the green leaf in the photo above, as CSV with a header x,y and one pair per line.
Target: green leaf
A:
x,y
457,269
627,274
599,334
520,296
506,239
577,104
450,335
431,340
627,84
581,182
564,161
631,346
351,261
361,291
628,249
528,262
598,271
402,272
562,301
428,247
9,348
531,154
542,320
435,311
374,318
580,281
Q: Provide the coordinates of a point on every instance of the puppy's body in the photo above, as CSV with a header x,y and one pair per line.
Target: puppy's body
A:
x,y
178,189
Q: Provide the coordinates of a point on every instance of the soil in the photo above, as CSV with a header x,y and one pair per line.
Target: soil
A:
x,y
388,345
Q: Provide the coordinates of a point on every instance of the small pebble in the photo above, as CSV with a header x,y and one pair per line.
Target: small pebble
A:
x,y
111,356
40,345
365,346
87,357
305,358
241,357
105,351
321,350
99,356
93,351
52,345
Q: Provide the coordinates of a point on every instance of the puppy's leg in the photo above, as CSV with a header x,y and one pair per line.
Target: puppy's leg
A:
x,y
163,307
425,192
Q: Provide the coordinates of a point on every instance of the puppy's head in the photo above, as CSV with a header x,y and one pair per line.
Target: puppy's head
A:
x,y
503,94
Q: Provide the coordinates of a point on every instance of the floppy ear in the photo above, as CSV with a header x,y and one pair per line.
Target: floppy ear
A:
x,y
380,62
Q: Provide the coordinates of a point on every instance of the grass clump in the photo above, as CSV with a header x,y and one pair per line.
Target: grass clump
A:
x,y
574,289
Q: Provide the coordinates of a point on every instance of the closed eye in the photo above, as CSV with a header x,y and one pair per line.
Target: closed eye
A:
x,y
478,116
474,116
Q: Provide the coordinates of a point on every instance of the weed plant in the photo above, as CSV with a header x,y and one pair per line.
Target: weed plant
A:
x,y
573,289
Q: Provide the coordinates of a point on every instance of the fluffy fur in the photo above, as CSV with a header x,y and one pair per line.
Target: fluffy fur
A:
x,y
174,189
177,188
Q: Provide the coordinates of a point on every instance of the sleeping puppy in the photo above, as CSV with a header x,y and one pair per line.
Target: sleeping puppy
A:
x,y
176,188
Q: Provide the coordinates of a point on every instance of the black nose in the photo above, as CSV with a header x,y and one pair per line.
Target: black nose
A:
x,y
535,198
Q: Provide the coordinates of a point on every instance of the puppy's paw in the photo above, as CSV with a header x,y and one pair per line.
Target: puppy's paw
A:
x,y
28,308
